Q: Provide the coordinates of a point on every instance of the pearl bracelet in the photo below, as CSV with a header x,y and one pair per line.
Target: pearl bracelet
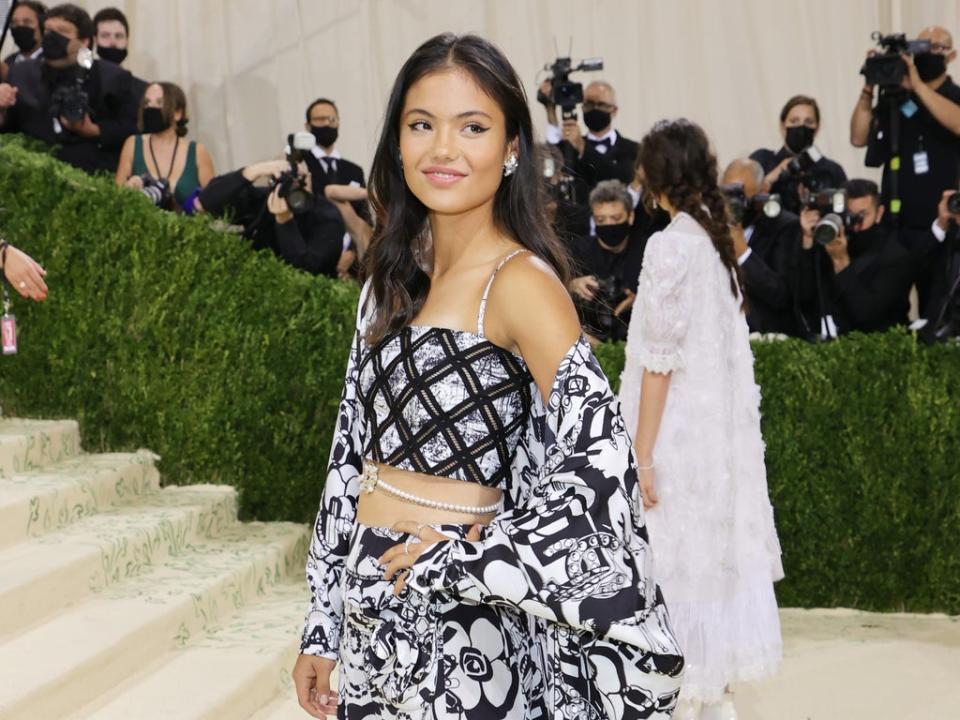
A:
x,y
645,467
371,479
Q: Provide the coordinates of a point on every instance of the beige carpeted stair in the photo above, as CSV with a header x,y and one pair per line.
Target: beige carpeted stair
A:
x,y
120,598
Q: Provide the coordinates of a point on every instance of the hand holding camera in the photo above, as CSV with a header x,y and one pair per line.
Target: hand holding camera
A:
x,y
949,209
8,96
278,206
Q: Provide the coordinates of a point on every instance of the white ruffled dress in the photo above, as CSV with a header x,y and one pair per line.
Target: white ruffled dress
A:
x,y
712,532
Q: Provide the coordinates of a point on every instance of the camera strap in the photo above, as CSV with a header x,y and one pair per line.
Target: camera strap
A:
x,y
173,160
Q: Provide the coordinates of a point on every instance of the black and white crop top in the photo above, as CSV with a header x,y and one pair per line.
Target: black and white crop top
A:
x,y
445,402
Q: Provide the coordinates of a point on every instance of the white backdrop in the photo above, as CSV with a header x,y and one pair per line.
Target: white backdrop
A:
x,y
250,67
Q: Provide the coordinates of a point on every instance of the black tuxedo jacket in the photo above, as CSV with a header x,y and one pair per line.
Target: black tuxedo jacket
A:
x,y
346,173
113,101
766,275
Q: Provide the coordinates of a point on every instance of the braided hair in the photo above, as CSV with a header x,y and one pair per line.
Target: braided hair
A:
x,y
677,162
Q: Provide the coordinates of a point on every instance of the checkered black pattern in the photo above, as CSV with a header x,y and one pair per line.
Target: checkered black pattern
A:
x,y
444,402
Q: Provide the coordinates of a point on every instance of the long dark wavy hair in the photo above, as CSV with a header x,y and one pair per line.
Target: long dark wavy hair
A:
x,y
677,161
399,284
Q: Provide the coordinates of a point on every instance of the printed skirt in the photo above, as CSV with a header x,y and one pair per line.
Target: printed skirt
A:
x,y
412,657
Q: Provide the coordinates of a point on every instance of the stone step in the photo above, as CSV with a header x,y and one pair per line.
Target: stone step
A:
x,y
226,675
49,498
85,651
42,575
30,444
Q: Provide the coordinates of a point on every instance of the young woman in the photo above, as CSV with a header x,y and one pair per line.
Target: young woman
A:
x,y
699,445
185,167
480,549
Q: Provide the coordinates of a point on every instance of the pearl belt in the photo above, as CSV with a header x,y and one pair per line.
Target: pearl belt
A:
x,y
370,479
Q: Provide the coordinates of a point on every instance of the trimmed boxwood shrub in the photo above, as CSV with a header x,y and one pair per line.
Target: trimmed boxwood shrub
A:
x,y
164,332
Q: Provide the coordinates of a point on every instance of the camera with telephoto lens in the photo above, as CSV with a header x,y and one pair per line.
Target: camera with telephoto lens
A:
x,y
597,315
69,98
887,69
158,190
834,218
953,203
740,206
293,184
565,94
801,168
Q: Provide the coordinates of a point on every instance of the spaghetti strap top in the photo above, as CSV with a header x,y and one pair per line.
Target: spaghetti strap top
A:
x,y
189,178
486,290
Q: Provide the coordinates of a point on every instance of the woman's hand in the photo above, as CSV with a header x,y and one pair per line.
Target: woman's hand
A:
x,y
135,182
585,286
278,206
402,557
648,482
311,677
25,274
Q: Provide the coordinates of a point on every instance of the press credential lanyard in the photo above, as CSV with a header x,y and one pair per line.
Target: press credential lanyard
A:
x,y
8,326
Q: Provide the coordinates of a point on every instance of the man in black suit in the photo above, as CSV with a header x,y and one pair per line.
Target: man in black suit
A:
x,y
92,141
328,167
865,272
942,312
764,246
602,153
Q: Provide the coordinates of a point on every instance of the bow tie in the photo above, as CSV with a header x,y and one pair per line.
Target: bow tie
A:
x,y
605,142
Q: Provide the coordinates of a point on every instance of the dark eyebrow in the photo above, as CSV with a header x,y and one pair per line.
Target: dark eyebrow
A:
x,y
462,115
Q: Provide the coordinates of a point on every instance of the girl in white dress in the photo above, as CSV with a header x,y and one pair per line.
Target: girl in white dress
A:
x,y
691,403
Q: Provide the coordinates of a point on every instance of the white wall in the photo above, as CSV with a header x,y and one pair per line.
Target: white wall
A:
x,y
251,66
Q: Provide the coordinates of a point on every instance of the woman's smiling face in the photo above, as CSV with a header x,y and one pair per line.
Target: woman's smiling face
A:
x,y
453,142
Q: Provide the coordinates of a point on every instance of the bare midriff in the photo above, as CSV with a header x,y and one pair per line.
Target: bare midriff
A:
x,y
381,508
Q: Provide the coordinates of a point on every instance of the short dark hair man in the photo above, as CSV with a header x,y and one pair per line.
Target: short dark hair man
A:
x,y
88,113
865,273
26,29
112,35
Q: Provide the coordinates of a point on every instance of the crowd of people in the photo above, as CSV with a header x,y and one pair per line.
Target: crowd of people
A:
x,y
822,254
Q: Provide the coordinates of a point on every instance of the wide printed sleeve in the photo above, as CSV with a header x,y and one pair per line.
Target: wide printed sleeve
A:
x,y
329,545
665,303
573,550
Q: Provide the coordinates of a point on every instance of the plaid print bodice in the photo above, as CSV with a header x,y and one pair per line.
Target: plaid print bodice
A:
x,y
444,402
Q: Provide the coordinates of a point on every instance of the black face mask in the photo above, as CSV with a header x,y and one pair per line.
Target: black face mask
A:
x,y
596,120
930,65
25,38
859,241
112,54
55,45
154,120
613,234
325,135
799,138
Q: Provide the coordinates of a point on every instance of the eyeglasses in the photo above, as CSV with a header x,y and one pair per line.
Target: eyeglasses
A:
x,y
591,105
940,48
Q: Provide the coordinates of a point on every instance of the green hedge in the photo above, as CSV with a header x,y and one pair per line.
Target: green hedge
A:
x,y
163,332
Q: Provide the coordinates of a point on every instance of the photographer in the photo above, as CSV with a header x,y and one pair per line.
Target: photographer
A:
x,y
798,162
569,220
87,109
170,173
607,265
26,29
864,273
303,229
942,312
766,243
926,107
602,153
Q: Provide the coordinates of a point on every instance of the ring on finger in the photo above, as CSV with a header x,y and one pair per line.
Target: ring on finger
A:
x,y
420,527
406,545
23,285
